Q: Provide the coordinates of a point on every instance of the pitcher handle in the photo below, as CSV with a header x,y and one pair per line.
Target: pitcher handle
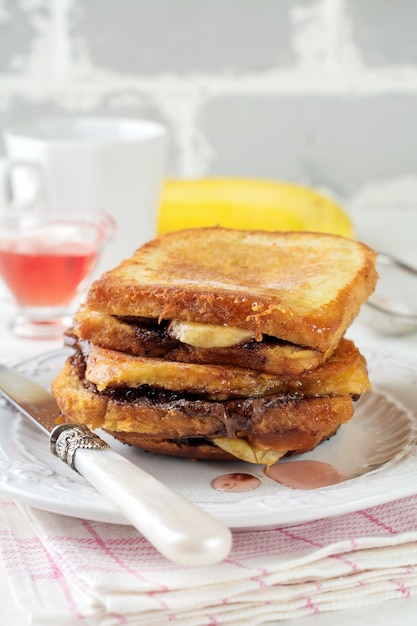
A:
x,y
6,190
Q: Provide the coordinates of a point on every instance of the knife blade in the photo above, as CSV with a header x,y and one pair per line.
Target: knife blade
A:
x,y
176,527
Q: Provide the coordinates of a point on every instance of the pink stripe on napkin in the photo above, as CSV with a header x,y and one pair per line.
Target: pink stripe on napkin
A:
x,y
63,570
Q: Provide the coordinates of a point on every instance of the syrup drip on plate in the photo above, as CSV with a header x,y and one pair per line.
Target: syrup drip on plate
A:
x,y
236,483
305,474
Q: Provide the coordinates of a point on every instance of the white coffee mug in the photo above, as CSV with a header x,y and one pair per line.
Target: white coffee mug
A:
x,y
87,165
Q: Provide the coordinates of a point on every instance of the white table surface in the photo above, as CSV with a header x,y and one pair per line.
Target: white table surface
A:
x,y
401,611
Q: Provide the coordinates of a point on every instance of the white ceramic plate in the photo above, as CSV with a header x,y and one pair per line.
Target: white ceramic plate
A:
x,y
376,450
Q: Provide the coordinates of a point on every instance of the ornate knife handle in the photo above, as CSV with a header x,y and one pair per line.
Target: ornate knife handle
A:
x,y
66,439
179,529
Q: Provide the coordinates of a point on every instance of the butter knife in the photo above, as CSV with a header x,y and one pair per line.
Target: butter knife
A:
x,y
176,527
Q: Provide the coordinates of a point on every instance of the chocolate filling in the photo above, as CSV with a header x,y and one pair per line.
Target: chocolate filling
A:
x,y
236,415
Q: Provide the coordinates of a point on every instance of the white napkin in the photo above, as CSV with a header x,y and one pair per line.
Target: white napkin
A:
x,y
68,571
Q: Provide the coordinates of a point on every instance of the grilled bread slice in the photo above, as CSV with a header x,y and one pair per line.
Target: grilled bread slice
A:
x,y
304,288
146,337
170,423
344,373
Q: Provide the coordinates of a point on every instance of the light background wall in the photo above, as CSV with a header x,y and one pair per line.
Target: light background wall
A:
x,y
320,92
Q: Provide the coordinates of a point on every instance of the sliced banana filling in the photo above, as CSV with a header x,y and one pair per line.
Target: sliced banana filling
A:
x,y
208,335
242,449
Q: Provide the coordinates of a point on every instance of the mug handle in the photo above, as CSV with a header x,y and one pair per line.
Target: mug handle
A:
x,y
6,187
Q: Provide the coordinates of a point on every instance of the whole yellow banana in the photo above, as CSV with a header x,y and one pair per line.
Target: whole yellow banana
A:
x,y
248,204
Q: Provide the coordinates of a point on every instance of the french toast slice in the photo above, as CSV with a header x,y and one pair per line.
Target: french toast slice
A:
x,y
145,337
279,422
344,373
304,288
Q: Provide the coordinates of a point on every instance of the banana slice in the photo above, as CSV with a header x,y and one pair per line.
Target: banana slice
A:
x,y
241,449
208,335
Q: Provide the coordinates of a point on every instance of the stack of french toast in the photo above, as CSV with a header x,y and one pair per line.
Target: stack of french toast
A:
x,y
217,343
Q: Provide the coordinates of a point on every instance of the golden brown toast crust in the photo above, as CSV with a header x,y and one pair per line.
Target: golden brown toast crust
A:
x,y
297,424
305,288
136,338
200,449
344,373
185,448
